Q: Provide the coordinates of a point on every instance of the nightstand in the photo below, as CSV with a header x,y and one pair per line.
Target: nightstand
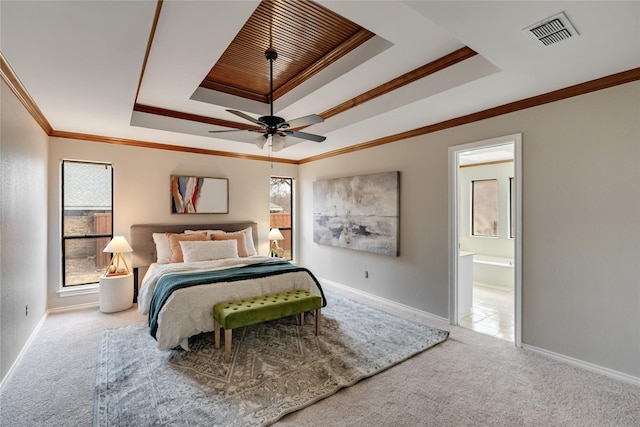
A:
x,y
116,293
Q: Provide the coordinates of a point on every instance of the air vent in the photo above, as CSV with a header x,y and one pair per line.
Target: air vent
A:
x,y
552,30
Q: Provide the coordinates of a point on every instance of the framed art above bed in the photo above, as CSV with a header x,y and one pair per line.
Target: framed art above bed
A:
x,y
193,194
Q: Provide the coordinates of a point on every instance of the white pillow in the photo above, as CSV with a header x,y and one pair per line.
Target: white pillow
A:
x,y
248,238
163,250
207,250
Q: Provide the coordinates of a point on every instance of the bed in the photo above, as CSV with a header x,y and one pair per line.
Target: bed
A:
x,y
216,263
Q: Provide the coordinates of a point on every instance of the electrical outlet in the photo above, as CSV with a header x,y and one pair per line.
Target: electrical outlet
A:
x,y
26,310
366,274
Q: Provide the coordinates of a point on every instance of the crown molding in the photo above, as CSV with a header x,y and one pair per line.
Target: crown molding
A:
x,y
10,78
14,83
160,146
557,95
405,79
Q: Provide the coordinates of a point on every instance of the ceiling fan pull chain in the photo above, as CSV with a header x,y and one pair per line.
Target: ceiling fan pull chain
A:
x,y
270,141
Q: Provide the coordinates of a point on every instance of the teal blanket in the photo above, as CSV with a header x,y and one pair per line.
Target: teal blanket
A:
x,y
172,282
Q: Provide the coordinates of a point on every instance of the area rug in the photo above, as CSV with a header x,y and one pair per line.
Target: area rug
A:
x,y
277,367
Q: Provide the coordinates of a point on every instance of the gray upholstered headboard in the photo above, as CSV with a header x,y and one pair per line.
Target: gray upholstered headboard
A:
x,y
144,248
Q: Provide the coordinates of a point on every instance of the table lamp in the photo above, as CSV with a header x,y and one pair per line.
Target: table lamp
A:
x,y
274,236
117,246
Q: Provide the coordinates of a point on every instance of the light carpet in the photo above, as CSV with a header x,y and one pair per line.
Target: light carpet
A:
x,y
277,368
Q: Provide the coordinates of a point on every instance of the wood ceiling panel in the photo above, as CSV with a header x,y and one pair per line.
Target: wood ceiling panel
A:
x,y
308,37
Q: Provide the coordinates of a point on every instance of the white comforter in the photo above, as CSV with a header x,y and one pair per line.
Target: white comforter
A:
x,y
189,311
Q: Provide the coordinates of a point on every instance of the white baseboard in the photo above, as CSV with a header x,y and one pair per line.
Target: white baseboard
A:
x,y
35,332
23,350
426,315
566,359
584,365
73,307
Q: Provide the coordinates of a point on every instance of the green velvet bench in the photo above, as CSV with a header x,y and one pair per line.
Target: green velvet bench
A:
x,y
236,314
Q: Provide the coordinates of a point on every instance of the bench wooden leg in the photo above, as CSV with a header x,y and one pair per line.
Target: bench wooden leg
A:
x,y
216,333
302,319
227,345
318,321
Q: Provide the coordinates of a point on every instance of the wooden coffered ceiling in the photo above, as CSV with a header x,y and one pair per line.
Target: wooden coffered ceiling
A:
x,y
307,37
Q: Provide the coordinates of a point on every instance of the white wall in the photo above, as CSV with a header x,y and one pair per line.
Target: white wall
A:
x,y
23,227
141,193
581,224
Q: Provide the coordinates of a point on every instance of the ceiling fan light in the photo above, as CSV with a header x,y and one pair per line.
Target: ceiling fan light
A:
x,y
260,141
277,143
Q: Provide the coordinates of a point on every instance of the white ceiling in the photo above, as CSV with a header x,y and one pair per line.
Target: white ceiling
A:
x,y
81,62
496,153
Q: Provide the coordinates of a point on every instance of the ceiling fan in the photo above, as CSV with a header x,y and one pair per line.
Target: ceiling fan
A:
x,y
274,129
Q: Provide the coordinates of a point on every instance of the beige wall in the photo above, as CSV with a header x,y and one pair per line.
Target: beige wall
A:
x,y
141,193
23,227
581,219
581,224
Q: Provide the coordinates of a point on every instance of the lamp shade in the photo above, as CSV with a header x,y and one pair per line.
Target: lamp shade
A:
x,y
117,245
275,234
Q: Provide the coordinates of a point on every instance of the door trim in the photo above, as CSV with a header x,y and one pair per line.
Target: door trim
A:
x,y
454,240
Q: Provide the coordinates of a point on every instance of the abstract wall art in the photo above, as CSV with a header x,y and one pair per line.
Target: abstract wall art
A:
x,y
194,195
358,212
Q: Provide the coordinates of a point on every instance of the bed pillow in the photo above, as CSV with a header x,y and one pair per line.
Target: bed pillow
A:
x,y
163,250
174,243
194,251
209,232
239,236
248,240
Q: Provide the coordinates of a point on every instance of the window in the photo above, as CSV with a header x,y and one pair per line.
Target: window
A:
x,y
87,220
281,212
484,205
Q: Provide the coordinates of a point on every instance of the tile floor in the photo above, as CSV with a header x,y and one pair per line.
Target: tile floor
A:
x,y
491,313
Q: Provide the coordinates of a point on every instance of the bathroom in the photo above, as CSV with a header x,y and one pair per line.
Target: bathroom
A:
x,y
486,233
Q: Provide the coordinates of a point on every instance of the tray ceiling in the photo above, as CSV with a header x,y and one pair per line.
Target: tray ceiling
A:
x,y
131,71
306,36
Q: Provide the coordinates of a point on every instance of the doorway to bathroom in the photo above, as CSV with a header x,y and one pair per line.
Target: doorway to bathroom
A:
x,y
484,191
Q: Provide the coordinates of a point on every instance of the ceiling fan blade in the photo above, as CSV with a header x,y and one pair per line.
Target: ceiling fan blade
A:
x,y
303,121
246,117
229,130
305,135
